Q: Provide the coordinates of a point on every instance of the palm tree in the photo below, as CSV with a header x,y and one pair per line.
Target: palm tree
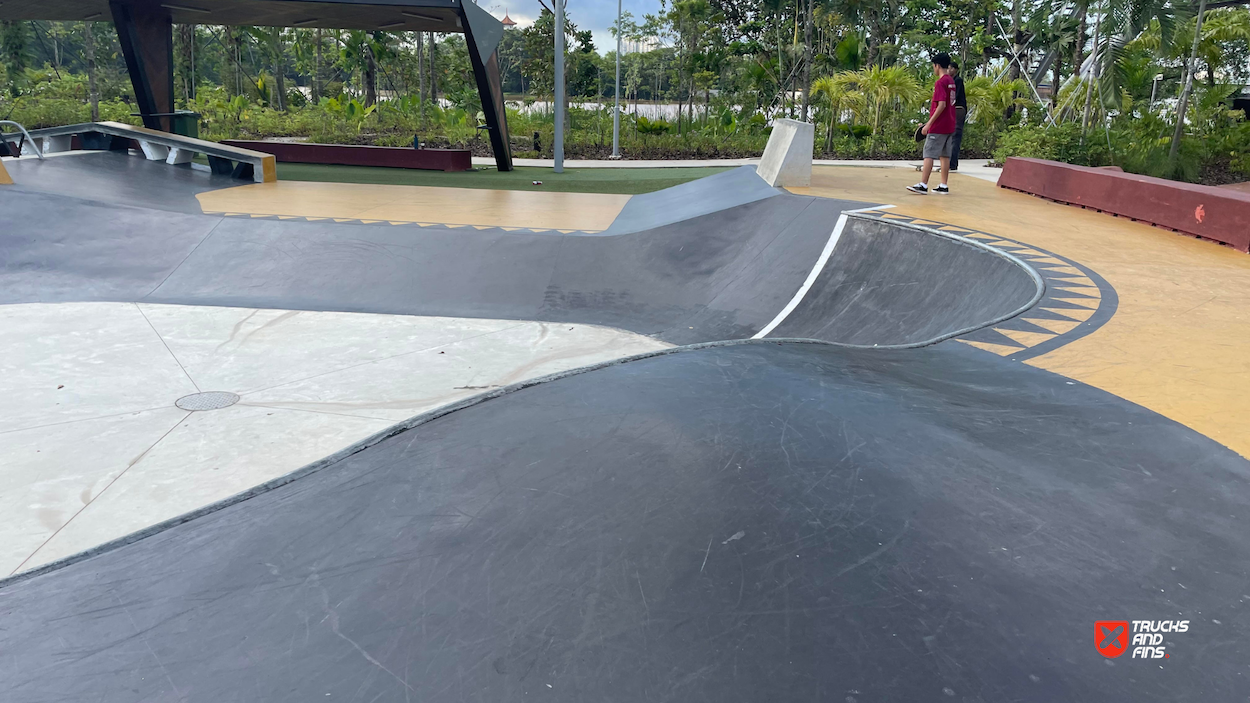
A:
x,y
1127,20
991,102
1219,27
1057,32
838,92
883,86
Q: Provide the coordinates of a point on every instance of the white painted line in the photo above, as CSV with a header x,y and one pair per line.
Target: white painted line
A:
x,y
811,277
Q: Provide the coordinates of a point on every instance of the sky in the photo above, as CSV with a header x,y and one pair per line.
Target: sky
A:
x,y
595,15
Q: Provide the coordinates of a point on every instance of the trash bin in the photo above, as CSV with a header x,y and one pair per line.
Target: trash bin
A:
x,y
186,123
183,122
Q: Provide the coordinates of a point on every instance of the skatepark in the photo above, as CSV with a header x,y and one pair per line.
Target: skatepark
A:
x,y
723,441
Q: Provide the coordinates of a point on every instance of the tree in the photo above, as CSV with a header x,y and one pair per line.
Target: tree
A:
x,y
15,45
539,62
993,104
307,49
432,67
885,86
93,88
511,56
273,44
184,60
838,92
360,52
1056,33
692,21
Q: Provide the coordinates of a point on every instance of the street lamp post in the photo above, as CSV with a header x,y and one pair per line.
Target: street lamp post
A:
x,y
1153,86
558,142
616,114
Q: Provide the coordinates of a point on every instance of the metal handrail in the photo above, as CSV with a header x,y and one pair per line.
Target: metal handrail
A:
x,y
35,145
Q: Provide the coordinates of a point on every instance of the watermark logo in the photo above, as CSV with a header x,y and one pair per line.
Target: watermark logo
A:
x,y
1111,637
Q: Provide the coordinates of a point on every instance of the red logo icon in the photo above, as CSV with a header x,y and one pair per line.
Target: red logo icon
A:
x,y
1200,213
1111,637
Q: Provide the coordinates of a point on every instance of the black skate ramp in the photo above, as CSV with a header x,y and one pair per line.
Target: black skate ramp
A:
x,y
734,520
726,274
894,284
766,521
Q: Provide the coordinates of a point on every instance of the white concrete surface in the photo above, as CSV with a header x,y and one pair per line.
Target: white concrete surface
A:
x,y
154,152
787,159
53,145
977,168
92,446
177,157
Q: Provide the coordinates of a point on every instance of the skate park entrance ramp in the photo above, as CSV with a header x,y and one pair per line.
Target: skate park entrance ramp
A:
x,y
790,473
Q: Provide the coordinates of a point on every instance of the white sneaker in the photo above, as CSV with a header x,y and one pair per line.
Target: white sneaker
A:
x,y
919,189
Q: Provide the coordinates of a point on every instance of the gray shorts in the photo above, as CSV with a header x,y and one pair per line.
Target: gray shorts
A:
x,y
937,146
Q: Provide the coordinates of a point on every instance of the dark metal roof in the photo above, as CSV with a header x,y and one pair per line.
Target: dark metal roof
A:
x,y
390,15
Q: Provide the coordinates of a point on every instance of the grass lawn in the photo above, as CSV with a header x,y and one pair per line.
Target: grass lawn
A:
x,y
626,181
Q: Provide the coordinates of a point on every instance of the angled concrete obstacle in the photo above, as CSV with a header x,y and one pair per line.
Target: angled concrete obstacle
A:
x,y
787,159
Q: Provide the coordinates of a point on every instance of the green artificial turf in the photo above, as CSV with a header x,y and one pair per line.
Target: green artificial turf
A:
x,y
626,181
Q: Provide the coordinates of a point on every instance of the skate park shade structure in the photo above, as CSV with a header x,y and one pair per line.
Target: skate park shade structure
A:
x,y
845,509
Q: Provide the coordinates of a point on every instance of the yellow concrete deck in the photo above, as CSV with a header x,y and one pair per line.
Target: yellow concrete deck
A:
x,y
1179,342
419,204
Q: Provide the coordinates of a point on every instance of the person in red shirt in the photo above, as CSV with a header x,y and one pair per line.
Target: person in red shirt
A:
x,y
939,131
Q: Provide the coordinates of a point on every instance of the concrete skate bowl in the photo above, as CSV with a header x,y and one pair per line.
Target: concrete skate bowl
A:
x,y
719,258
727,521
745,522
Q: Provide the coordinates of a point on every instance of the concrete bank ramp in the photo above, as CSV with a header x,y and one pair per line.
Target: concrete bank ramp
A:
x,y
691,200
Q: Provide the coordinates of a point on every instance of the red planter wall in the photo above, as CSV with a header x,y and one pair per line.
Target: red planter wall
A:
x,y
1220,214
352,155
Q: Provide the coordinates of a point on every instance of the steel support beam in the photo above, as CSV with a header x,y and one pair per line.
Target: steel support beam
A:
x,y
146,34
490,88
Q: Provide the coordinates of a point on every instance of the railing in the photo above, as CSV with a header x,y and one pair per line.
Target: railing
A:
x,y
38,151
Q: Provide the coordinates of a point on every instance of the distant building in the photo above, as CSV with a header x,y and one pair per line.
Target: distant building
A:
x,y
508,23
632,46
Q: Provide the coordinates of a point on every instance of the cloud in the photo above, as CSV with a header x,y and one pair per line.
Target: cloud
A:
x,y
596,15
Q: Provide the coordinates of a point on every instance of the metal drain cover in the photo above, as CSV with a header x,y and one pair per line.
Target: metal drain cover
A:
x,y
212,400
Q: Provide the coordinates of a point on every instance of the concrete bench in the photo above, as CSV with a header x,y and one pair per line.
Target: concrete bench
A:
x,y
360,155
1219,214
156,146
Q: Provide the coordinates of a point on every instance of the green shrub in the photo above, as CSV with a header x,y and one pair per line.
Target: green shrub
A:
x,y
859,131
35,112
1143,145
1235,142
651,127
1059,143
